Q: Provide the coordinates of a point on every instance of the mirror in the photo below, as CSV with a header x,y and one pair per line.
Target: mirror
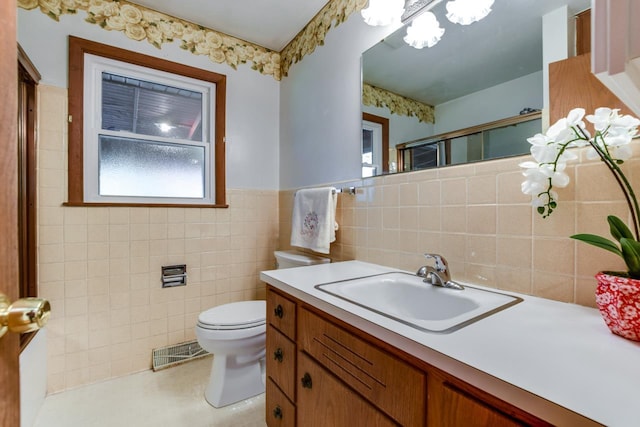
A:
x,y
480,83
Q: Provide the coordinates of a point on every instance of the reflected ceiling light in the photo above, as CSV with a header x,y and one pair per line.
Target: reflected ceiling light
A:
x,y
465,12
164,127
383,12
424,31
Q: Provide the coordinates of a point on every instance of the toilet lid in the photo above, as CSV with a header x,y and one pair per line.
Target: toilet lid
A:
x,y
235,315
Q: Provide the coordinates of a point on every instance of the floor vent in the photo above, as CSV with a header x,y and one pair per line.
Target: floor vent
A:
x,y
172,355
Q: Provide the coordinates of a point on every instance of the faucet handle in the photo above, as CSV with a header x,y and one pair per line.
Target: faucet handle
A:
x,y
440,262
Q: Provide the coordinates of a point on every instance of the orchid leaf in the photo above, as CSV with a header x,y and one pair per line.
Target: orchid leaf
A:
x,y
619,229
598,241
631,255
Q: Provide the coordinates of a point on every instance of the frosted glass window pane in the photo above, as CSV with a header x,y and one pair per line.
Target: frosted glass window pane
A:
x,y
149,108
139,168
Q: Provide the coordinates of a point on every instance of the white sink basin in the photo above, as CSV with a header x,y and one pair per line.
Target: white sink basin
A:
x,y
406,298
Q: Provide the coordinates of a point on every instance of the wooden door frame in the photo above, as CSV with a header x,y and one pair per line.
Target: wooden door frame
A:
x,y
10,345
384,122
28,79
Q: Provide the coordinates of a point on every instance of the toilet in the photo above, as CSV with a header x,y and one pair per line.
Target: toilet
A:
x,y
293,258
235,333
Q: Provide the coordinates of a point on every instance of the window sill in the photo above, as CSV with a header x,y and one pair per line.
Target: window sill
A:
x,y
142,205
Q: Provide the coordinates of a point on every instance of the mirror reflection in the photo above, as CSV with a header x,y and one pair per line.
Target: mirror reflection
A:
x,y
475,95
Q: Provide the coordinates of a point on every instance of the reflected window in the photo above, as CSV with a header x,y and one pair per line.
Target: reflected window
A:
x,y
375,145
370,144
503,138
149,108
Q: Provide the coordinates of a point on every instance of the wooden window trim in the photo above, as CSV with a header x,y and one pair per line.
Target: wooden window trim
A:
x,y
77,49
384,122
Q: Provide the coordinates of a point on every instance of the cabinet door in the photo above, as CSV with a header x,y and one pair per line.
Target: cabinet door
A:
x,y
390,384
452,403
325,401
461,410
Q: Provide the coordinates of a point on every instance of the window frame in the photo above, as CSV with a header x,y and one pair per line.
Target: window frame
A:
x,y
77,49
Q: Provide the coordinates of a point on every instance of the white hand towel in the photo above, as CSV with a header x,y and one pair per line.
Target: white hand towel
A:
x,y
313,222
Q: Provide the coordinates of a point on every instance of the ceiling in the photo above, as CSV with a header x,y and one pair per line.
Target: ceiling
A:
x,y
268,23
505,45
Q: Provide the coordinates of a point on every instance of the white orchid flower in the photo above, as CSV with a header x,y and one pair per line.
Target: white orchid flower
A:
x,y
602,118
544,153
550,151
560,132
575,117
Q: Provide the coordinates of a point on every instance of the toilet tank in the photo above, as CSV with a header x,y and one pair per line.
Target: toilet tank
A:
x,y
288,259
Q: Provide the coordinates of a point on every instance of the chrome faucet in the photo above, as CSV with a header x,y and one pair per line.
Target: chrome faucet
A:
x,y
438,275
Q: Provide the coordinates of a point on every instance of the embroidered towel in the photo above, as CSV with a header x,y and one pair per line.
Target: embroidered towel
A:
x,y
313,222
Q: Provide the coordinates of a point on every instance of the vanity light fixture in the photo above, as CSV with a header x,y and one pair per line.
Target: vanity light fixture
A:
x,y
425,29
465,12
383,12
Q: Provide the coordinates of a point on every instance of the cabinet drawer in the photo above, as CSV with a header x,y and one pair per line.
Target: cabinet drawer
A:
x,y
396,388
281,313
279,411
281,361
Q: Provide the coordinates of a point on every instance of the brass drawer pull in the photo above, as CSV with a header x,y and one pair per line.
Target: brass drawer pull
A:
x,y
278,311
278,355
306,380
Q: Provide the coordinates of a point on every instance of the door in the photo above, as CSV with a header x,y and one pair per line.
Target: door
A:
x,y
325,401
9,343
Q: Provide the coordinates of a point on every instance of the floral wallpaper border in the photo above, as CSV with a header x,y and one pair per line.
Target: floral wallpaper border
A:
x,y
140,23
397,104
314,33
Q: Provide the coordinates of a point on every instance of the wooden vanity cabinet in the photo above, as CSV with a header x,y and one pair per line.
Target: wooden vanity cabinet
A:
x,y
332,374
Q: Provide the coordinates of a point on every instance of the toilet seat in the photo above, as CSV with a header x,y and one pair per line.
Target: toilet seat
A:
x,y
233,316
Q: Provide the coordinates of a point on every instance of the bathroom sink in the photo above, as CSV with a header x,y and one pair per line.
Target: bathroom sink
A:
x,y
406,298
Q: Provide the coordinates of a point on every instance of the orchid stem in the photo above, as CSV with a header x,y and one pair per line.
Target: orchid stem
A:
x,y
624,184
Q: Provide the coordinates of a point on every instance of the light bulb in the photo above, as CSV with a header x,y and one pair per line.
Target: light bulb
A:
x,y
465,12
424,31
383,12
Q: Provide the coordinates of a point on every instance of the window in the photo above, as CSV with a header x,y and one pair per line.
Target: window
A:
x,y
143,130
375,145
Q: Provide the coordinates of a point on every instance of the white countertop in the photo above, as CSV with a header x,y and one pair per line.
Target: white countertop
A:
x,y
562,353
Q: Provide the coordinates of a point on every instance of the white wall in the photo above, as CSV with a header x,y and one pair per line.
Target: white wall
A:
x,y
320,113
495,103
557,41
252,98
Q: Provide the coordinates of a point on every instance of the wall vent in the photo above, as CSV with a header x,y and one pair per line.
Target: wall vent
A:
x,y
176,354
